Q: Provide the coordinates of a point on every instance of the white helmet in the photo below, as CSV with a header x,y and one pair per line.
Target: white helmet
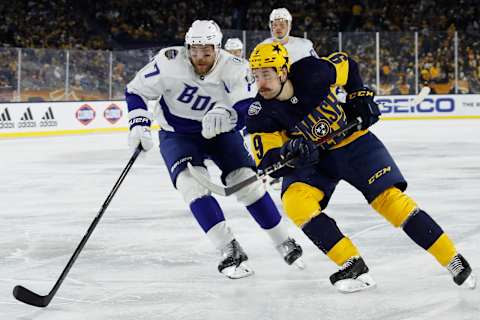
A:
x,y
281,14
233,44
204,32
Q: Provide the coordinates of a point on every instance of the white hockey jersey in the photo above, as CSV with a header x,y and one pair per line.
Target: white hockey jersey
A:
x,y
183,96
297,48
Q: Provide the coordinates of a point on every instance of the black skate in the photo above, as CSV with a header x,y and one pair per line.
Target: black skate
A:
x,y
461,272
234,264
291,253
353,276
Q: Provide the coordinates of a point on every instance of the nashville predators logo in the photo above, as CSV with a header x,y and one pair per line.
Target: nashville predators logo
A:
x,y
321,129
254,108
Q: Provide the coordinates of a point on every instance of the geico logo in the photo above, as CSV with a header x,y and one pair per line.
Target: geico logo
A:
x,y
27,124
429,105
48,123
7,125
378,174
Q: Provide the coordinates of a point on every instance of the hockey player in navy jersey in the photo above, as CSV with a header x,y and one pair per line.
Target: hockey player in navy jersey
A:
x,y
293,110
201,90
280,23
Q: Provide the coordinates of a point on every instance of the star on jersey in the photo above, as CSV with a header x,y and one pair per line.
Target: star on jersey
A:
x,y
321,129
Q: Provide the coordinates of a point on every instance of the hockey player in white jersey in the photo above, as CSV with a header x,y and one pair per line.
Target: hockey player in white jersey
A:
x,y
202,92
280,26
234,46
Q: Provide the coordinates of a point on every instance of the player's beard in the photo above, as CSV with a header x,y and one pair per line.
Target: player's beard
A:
x,y
202,67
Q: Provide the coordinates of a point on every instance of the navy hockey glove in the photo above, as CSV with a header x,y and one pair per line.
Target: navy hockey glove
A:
x,y
304,152
360,104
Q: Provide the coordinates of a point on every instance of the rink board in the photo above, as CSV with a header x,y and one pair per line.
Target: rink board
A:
x,y
30,119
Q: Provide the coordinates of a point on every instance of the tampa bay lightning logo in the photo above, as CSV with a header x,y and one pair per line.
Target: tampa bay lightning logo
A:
x,y
321,129
171,54
254,108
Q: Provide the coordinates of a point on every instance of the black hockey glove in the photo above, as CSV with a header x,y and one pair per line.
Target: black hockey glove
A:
x,y
304,152
360,104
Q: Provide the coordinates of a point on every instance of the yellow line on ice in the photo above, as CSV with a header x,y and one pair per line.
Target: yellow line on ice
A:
x,y
64,132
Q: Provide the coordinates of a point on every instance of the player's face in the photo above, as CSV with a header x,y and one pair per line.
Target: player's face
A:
x,y
279,28
237,53
202,57
268,82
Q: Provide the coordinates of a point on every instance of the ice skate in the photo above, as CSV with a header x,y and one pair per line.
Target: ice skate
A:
x,y
234,265
353,276
462,272
291,253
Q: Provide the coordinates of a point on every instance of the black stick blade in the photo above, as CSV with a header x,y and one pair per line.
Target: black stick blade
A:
x,y
30,297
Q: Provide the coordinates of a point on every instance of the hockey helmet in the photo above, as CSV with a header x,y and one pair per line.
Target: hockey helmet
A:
x,y
233,44
204,32
270,55
281,14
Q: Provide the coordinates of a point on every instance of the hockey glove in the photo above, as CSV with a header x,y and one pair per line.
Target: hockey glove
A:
x,y
304,152
360,104
140,132
218,120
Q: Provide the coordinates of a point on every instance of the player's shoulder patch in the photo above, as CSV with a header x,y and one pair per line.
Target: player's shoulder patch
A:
x,y
237,60
171,54
254,108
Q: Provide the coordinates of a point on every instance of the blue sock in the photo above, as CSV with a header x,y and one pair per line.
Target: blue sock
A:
x,y
323,232
422,229
207,212
265,212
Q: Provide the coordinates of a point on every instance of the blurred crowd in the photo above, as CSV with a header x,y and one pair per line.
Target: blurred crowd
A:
x,y
90,30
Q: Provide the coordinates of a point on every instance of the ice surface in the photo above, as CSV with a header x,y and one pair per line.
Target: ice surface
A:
x,y
148,259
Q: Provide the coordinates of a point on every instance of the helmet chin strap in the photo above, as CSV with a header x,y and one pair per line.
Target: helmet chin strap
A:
x,y
282,38
281,89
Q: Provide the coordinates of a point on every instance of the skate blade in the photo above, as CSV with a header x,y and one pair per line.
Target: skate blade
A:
x,y
299,264
234,272
470,282
363,282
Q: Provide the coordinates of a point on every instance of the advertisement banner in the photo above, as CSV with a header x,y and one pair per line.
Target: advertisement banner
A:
x,y
57,118
465,106
30,119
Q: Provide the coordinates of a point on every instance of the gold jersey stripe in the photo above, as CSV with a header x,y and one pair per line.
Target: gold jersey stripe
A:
x,y
340,61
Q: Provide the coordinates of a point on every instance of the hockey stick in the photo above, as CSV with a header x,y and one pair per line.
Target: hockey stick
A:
x,y
228,190
420,96
424,92
27,296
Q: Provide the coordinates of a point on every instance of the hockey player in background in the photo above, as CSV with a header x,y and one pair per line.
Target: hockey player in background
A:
x,y
295,108
234,46
201,90
280,25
